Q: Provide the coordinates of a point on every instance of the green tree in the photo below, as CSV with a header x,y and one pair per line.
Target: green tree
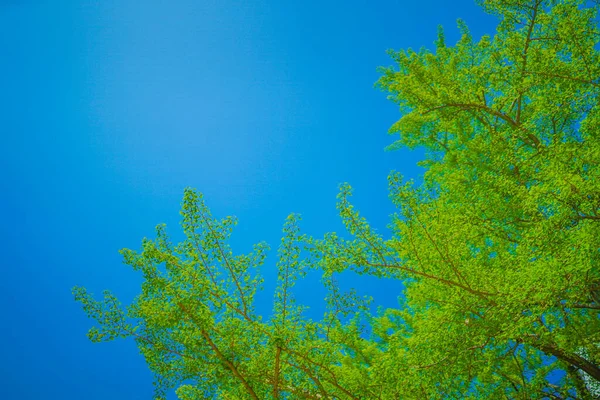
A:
x,y
498,248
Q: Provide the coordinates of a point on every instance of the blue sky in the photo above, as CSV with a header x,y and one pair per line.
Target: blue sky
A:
x,y
110,108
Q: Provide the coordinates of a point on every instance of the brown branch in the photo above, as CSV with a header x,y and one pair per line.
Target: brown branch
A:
x,y
479,293
511,122
592,217
214,280
525,50
433,364
521,371
313,378
509,379
277,372
572,359
285,288
227,303
587,306
366,238
486,108
570,78
230,365
334,381
219,354
145,339
580,386
201,255
121,325
446,259
227,264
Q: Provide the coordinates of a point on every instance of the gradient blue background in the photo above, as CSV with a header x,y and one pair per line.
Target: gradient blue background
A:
x,y
110,108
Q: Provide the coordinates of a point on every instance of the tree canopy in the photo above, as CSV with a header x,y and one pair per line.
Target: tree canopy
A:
x,y
498,247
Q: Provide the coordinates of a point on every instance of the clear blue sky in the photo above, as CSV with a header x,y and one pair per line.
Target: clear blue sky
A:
x,y
110,108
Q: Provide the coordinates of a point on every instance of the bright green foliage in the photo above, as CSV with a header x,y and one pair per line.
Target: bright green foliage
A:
x,y
499,247
506,224
195,322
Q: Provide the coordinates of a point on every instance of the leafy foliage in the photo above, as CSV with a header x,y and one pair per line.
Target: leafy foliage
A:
x,y
498,248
